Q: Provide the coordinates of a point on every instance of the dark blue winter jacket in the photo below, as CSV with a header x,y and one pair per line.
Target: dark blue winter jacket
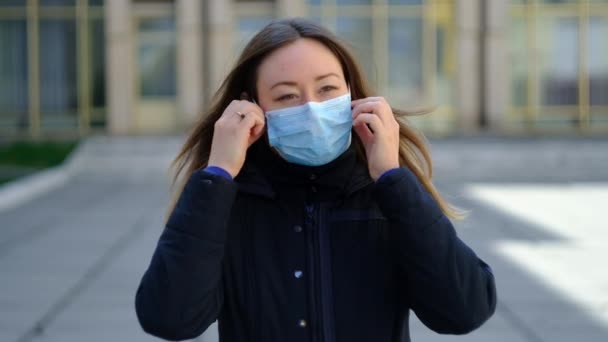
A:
x,y
293,253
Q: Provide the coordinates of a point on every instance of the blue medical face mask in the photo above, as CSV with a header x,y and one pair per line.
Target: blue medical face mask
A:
x,y
312,134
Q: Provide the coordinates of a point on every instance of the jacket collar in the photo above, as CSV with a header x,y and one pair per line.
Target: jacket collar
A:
x,y
265,173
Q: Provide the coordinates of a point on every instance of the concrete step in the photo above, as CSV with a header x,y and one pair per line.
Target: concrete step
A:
x,y
527,159
128,156
475,159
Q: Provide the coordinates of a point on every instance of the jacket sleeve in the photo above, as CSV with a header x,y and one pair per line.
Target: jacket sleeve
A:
x,y
181,294
451,290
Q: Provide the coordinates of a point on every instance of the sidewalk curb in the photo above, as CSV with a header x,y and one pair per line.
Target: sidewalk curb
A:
x,y
131,158
25,189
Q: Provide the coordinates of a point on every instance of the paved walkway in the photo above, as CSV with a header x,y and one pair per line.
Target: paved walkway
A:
x,y
70,260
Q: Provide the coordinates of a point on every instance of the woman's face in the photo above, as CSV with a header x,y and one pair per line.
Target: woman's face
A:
x,y
300,72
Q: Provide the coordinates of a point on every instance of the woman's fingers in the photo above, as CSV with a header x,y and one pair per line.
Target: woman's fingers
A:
x,y
251,120
367,126
366,107
253,126
364,133
248,106
258,128
239,109
378,129
368,110
372,120
248,122
256,111
241,124
242,117
252,116
376,105
232,113
369,99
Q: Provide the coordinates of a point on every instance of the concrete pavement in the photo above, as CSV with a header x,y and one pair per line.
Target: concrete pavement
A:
x,y
70,260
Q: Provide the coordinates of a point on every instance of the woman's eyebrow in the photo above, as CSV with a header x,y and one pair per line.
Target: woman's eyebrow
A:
x,y
293,84
318,78
289,83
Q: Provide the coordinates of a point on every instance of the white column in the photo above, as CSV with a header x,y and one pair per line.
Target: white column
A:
x,y
468,56
220,46
119,69
497,76
190,89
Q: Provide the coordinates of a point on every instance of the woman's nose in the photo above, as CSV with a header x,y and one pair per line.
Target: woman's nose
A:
x,y
309,97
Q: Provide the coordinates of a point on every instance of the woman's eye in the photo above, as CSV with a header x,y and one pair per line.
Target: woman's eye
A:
x,y
286,97
328,88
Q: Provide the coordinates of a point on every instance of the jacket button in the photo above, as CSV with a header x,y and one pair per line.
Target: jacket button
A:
x,y
298,274
312,177
297,228
313,188
302,323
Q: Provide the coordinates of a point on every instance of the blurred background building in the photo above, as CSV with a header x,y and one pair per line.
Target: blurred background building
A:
x,y
80,67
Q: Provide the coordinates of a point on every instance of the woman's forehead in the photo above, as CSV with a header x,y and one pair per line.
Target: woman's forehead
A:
x,y
303,60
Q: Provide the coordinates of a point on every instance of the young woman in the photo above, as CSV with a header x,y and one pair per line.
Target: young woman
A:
x,y
307,212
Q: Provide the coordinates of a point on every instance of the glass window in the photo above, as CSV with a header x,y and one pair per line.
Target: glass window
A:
x,y
58,73
358,33
405,58
157,25
57,2
157,57
559,61
13,68
8,3
98,76
598,61
98,61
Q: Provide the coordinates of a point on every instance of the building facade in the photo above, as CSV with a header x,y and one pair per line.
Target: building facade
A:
x,y
79,67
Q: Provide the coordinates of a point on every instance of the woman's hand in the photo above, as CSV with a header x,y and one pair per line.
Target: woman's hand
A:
x,y
375,123
241,124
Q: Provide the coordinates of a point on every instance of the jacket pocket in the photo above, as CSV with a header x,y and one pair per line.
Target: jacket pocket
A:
x,y
368,226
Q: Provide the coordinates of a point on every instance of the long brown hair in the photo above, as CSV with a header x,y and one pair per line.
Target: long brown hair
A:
x,y
194,154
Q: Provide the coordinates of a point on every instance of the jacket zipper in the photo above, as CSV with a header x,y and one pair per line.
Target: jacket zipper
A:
x,y
321,273
312,261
